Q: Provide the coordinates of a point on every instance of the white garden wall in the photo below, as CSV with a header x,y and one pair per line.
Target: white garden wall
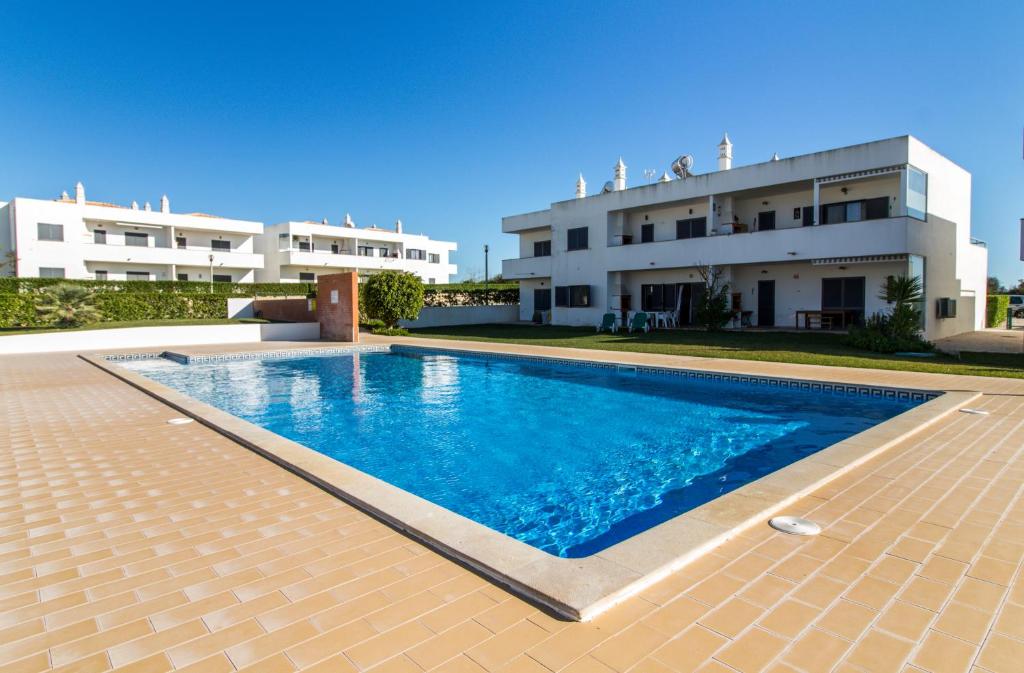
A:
x,y
154,337
444,316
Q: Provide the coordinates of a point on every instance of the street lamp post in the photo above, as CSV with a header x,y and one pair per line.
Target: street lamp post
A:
x,y
211,273
487,293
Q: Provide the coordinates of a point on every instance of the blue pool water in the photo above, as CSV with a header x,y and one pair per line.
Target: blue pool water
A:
x,y
565,458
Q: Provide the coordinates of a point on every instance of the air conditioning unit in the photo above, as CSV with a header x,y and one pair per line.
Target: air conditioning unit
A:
x,y
945,308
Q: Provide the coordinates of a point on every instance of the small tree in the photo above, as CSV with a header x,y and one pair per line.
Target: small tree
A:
x,y
8,263
713,306
67,305
906,294
391,296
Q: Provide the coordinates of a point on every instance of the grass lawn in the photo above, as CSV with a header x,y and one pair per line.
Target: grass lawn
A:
x,y
812,348
127,323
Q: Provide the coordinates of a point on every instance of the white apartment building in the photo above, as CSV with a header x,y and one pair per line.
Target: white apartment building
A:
x,y
74,238
816,234
300,251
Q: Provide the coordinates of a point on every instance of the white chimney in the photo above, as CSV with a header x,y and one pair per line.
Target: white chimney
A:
x,y
665,177
348,221
80,194
165,204
64,196
581,187
324,221
620,176
398,226
147,207
775,156
135,205
725,154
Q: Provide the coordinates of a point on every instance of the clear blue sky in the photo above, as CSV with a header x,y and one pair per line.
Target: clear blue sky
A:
x,y
450,117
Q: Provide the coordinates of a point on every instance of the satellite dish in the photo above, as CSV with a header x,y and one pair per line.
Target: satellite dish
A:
x,y
608,187
681,166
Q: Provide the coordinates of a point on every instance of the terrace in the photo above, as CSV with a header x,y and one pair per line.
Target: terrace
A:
x,y
132,544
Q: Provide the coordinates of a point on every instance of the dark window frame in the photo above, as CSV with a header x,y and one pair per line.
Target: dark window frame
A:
x,y
416,254
647,232
182,277
50,272
542,248
870,209
307,277
100,274
51,230
659,296
542,292
562,296
693,227
220,245
180,242
99,236
579,296
141,239
433,258
577,238
222,278
766,220
134,275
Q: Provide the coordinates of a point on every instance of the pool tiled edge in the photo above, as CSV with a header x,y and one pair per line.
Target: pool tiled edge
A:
x,y
577,588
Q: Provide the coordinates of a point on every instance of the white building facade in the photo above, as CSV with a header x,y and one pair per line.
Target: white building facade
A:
x,y
818,233
300,251
70,237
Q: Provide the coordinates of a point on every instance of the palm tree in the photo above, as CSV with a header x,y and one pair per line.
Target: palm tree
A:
x,y
906,293
67,305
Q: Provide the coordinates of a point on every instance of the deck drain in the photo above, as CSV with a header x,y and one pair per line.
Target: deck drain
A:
x,y
179,421
979,412
794,525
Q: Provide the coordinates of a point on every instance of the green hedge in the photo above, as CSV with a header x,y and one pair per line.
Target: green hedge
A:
x,y
995,309
18,310
474,296
10,285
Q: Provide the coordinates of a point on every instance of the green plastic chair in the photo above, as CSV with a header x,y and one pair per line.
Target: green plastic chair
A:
x,y
640,321
608,323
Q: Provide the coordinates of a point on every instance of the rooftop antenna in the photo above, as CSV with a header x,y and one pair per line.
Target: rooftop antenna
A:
x,y
681,166
608,187
649,173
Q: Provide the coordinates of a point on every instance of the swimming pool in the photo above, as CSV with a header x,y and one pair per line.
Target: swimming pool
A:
x,y
569,459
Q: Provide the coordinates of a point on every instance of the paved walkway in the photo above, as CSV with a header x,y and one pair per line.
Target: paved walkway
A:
x,y
129,544
984,341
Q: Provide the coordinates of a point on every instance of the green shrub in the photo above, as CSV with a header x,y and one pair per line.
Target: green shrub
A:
x,y
67,305
899,330
995,309
34,285
476,295
391,331
713,306
391,296
17,310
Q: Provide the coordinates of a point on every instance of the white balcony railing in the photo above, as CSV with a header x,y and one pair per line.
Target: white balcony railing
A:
x,y
137,254
524,268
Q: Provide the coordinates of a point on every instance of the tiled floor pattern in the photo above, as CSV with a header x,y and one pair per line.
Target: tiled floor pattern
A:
x,y
132,545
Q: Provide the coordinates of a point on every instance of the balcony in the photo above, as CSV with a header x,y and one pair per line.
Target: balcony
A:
x,y
895,235
524,268
137,254
515,224
344,260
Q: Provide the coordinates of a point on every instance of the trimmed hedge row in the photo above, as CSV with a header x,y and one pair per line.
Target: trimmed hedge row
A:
x,y
19,310
995,309
10,285
476,296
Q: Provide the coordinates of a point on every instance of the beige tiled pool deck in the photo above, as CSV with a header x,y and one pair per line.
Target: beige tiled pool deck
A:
x,y
129,544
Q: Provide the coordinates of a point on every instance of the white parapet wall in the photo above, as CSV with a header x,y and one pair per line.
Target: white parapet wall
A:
x,y
156,337
445,316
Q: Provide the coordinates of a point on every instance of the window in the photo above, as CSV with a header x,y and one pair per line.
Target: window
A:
x,y
137,240
658,297
222,278
432,281
365,251
695,227
647,233
180,242
434,258
335,249
917,193
303,246
384,252
183,277
573,296
138,275
413,253
579,295
542,248
855,211
845,295
307,276
50,272
766,220
101,275
99,237
220,245
50,232
578,238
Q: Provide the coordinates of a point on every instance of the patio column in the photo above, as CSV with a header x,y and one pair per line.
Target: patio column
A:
x,y
817,199
711,215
